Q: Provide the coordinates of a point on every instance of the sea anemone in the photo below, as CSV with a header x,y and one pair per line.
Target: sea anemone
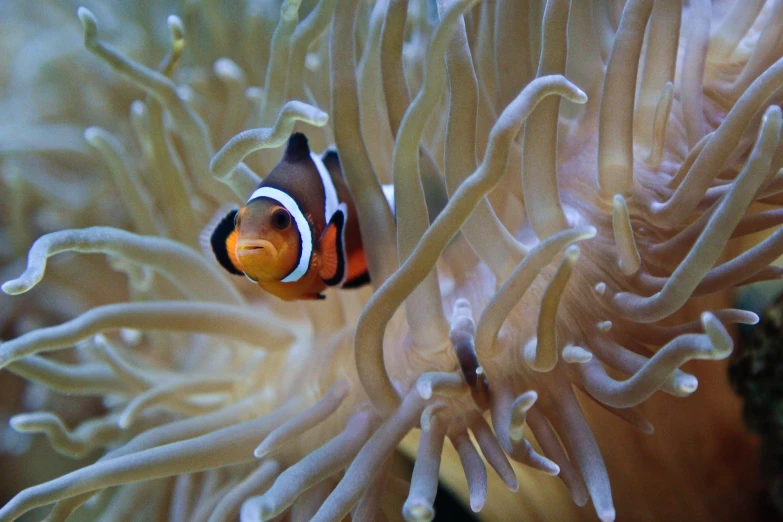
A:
x,y
568,177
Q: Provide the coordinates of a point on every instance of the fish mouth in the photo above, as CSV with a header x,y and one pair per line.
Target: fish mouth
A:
x,y
253,247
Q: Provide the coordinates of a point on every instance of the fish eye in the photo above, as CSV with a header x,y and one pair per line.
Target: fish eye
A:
x,y
281,219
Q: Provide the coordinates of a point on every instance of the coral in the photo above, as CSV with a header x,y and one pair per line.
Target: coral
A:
x,y
562,193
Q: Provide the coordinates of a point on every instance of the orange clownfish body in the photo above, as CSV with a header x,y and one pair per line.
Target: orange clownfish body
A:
x,y
298,233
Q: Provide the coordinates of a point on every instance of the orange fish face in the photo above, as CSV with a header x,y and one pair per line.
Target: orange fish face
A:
x,y
268,242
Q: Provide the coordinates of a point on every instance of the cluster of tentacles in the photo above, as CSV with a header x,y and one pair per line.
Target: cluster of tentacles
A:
x,y
544,236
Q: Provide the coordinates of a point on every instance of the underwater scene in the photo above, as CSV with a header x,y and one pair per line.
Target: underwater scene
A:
x,y
384,260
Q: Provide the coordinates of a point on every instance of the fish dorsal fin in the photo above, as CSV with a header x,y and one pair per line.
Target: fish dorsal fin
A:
x,y
332,246
222,241
332,161
297,148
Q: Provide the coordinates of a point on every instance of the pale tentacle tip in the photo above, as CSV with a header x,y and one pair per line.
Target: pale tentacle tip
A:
x,y
19,422
476,504
302,111
537,461
312,62
526,401
125,421
226,68
656,207
647,427
89,23
773,111
424,387
263,449
513,486
254,509
418,512
185,92
529,352
600,289
260,451
719,337
519,410
604,326
751,319
176,27
549,467
686,384
607,515
15,287
92,135
131,336
290,10
579,96
92,501
137,108
321,119
254,93
576,355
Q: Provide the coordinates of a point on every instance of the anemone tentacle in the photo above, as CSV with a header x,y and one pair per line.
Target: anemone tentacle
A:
x,y
569,178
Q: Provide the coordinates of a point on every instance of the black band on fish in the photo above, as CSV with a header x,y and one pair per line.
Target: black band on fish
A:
x,y
358,281
218,242
337,228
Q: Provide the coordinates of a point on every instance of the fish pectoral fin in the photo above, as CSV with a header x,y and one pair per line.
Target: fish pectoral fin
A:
x,y
223,241
332,247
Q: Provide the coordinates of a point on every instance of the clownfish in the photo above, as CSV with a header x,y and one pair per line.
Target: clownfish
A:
x,y
298,232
